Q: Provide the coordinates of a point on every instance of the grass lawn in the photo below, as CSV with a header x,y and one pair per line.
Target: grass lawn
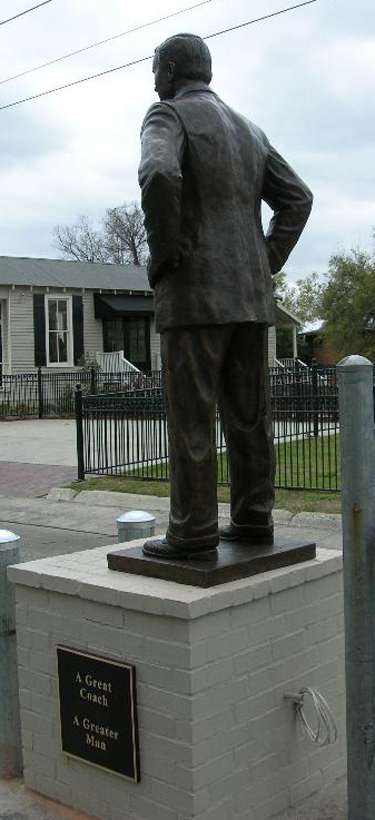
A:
x,y
309,462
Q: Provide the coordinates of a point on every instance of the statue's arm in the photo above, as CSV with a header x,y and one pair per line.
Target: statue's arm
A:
x,y
291,201
160,179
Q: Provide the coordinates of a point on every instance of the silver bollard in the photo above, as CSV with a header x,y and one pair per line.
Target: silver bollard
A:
x,y
355,378
10,732
135,524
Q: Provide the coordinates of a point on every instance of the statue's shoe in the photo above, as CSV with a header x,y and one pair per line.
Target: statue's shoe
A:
x,y
253,534
161,548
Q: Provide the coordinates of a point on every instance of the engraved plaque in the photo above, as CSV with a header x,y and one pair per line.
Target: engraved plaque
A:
x,y
98,711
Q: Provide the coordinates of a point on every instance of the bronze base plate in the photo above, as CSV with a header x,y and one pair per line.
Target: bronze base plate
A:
x,y
234,560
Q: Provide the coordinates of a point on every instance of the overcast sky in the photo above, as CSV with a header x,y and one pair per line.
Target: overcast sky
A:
x,y
306,77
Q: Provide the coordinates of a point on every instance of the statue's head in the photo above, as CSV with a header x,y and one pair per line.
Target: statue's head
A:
x,y
181,58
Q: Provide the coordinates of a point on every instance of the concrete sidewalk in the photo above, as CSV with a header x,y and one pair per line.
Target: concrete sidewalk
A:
x,y
96,512
35,455
39,441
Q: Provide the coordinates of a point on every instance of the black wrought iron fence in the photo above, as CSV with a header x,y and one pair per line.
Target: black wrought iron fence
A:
x,y
41,394
123,428
307,444
306,423
123,434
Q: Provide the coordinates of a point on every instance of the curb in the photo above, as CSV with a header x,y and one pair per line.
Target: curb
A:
x,y
105,498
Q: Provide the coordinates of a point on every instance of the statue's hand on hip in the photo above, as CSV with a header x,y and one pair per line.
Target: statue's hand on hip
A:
x,y
157,270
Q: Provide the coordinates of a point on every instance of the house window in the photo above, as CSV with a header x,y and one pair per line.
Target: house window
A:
x,y
130,334
113,335
59,331
138,340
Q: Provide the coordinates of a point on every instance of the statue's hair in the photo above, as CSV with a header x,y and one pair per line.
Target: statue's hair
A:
x,y
190,54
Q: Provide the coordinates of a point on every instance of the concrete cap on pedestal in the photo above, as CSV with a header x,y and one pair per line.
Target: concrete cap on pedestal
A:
x,y
6,537
135,517
354,361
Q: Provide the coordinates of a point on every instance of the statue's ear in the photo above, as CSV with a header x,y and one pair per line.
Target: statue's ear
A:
x,y
171,70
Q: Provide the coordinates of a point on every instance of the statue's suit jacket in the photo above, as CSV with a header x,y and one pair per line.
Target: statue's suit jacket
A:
x,y
204,172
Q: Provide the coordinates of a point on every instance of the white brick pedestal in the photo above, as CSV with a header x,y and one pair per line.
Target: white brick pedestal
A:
x,y
217,739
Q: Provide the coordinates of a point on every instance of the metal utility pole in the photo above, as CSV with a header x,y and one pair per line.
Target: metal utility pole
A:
x,y
355,377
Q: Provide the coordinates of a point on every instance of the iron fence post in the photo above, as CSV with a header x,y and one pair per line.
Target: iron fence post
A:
x,y
93,381
315,402
40,393
79,432
355,380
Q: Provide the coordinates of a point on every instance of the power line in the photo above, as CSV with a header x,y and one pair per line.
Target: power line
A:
x,y
258,19
150,57
27,11
77,82
106,40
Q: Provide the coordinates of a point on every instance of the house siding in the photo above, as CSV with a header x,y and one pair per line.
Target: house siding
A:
x,y
154,346
4,328
92,328
21,337
21,331
272,346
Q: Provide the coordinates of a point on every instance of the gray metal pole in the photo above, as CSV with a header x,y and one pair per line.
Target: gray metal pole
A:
x,y
10,732
355,377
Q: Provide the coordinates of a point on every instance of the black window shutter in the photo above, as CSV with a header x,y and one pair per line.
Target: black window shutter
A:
x,y
78,328
39,331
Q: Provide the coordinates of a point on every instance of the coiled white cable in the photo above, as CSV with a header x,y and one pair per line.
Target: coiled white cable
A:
x,y
326,731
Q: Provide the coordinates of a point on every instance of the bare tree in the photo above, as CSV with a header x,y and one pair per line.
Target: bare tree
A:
x,y
122,239
81,241
125,234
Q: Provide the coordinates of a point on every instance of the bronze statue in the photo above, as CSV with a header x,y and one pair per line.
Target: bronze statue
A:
x,y
204,171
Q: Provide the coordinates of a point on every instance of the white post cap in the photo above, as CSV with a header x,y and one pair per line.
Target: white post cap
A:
x,y
6,537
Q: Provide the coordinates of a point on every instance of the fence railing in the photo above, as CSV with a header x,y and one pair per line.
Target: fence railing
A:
x,y
40,394
115,363
124,434
291,363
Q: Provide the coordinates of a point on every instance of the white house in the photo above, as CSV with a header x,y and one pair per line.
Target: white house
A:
x,y
53,311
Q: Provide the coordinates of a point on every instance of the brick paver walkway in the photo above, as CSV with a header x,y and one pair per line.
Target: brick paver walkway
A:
x,y
33,480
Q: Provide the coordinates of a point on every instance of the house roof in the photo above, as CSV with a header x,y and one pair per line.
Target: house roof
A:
x,y
62,273
285,317
313,329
